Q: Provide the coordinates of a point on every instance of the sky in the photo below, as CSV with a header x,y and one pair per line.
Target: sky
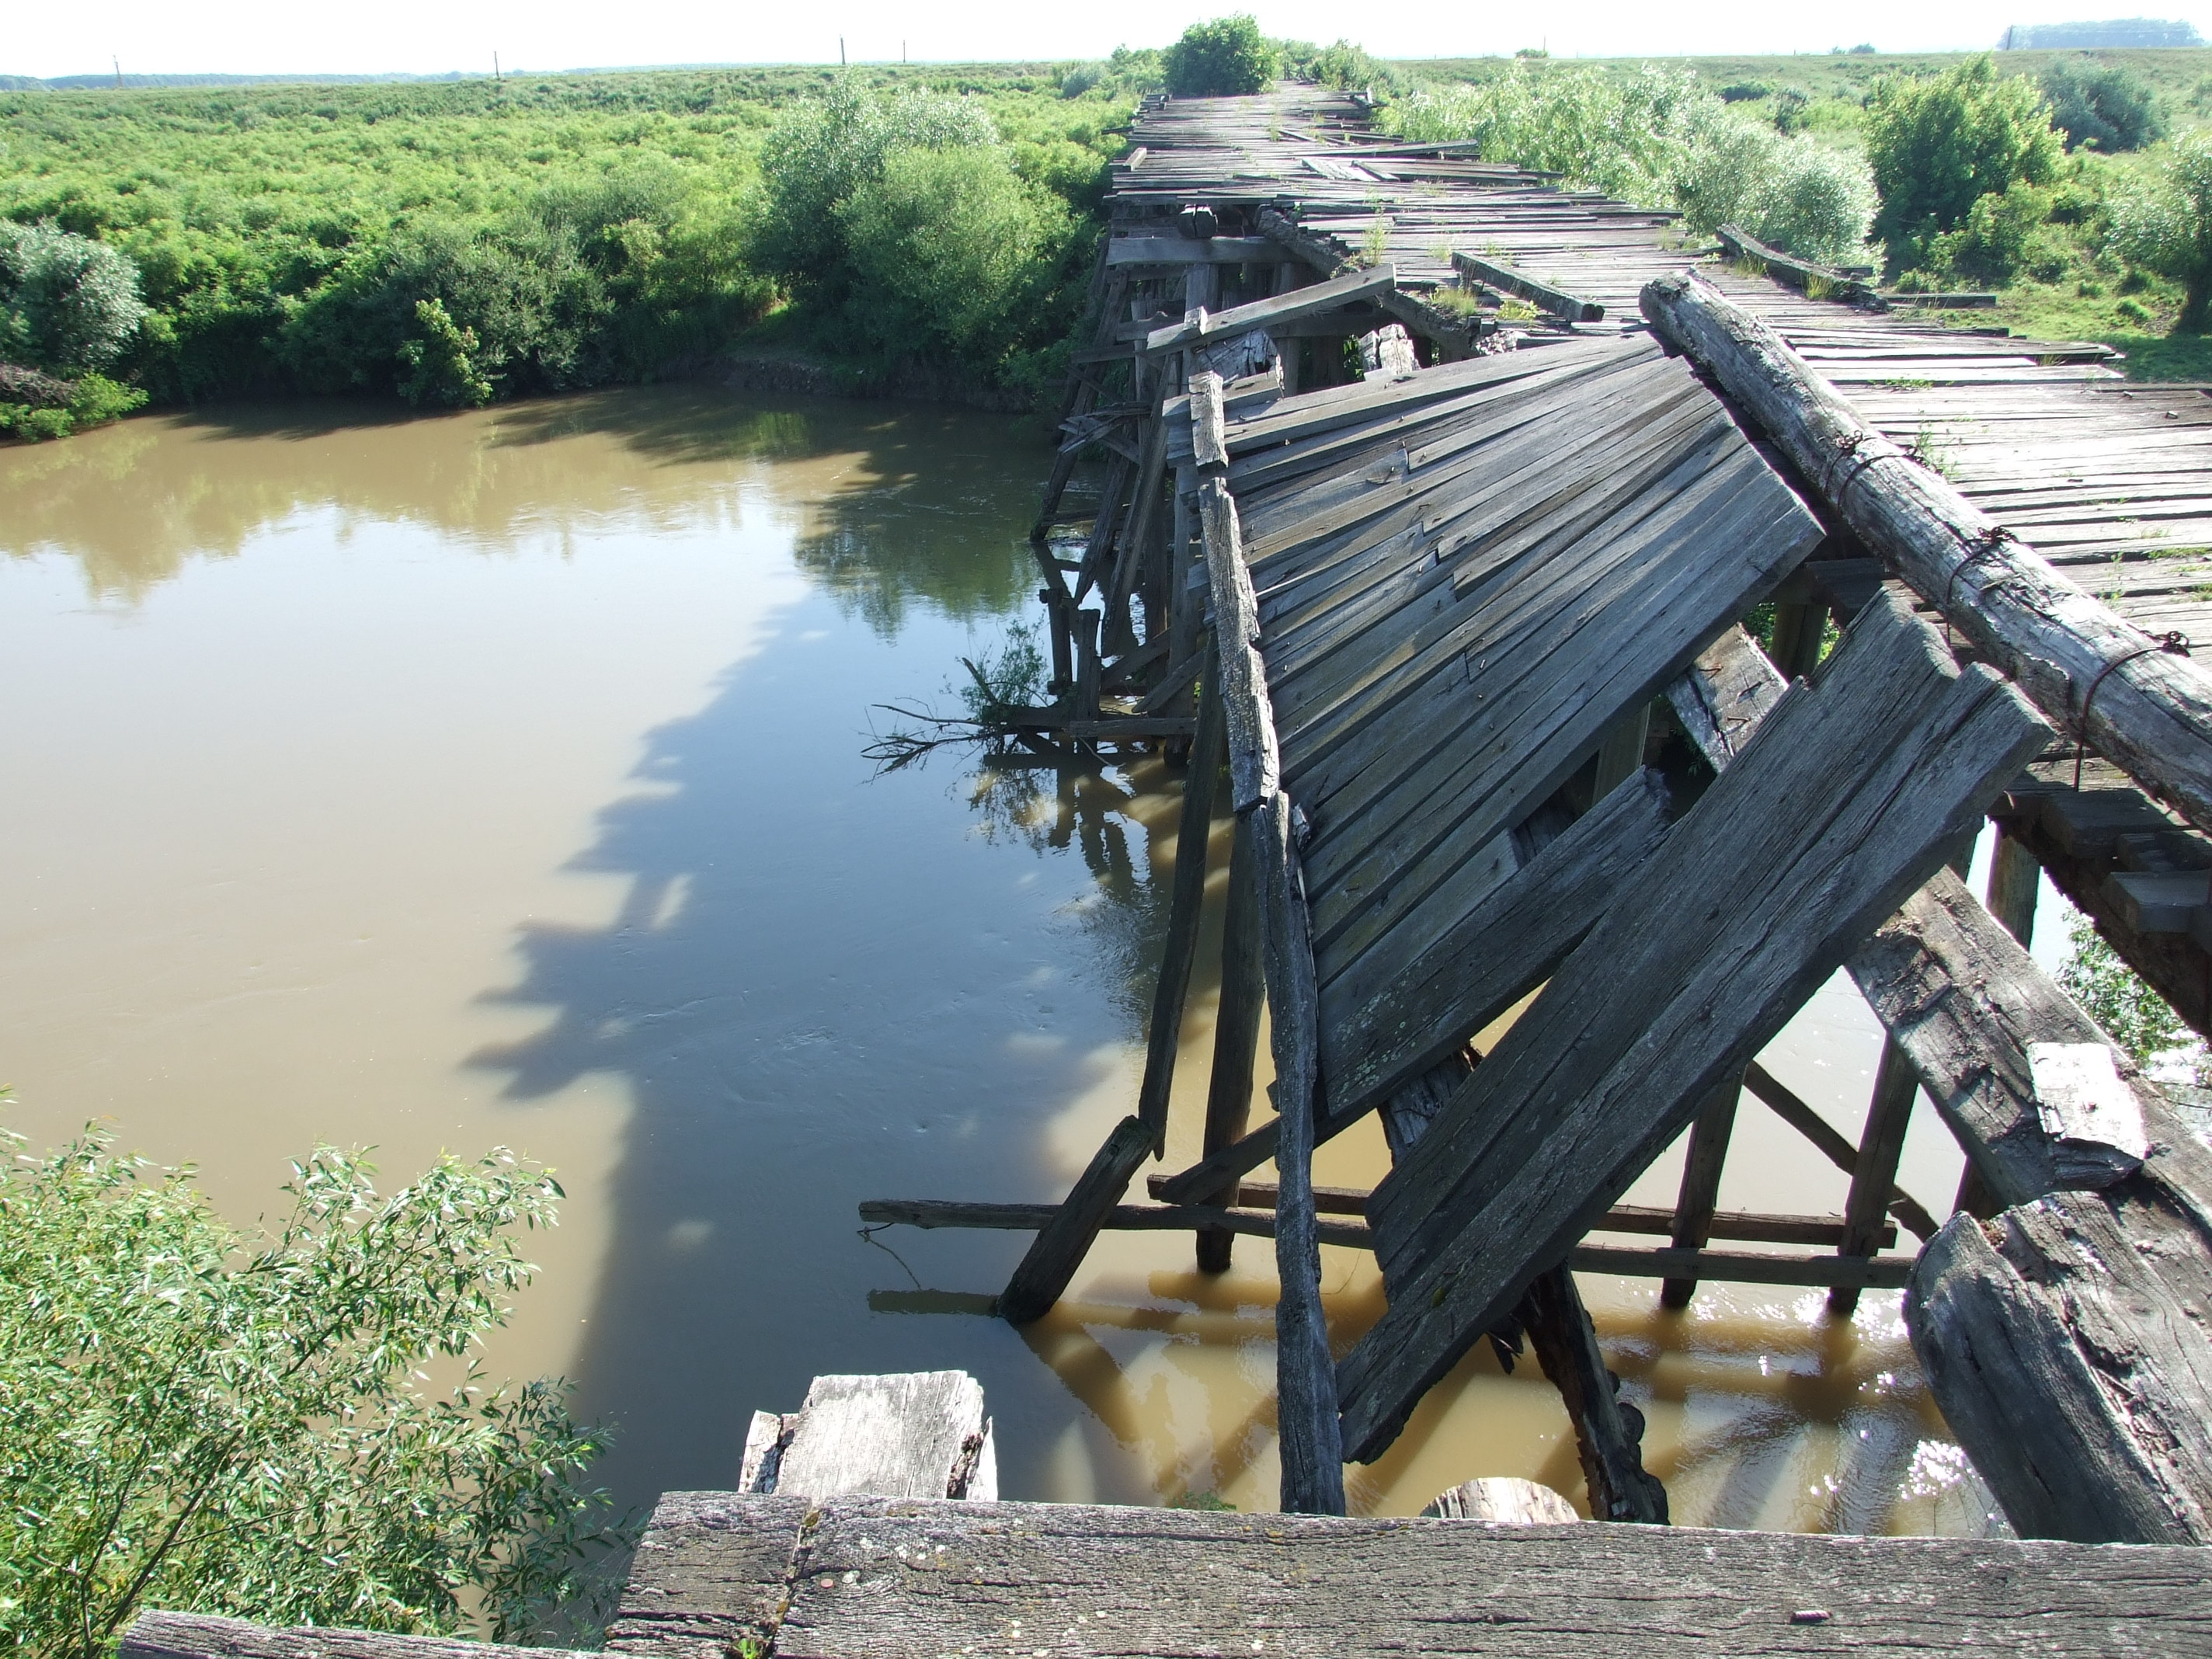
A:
x,y
264,37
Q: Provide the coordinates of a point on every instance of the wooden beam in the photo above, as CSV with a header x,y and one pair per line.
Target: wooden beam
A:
x,y
1455,336
1818,281
203,1636
1305,1395
1185,907
1188,250
2152,715
1344,290
1881,1143
1062,1242
1508,279
884,1580
1235,1041
1833,1145
1692,1221
1609,1435
2015,884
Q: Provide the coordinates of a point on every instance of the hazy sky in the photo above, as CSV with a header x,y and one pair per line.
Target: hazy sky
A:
x,y
427,36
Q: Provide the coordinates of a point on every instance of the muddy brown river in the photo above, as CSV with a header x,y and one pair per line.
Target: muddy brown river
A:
x,y
495,778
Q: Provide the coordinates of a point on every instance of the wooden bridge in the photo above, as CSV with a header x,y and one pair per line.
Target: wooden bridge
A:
x,y
1434,499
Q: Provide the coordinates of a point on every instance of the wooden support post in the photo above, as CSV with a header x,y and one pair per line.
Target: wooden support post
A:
x,y
1058,606
1896,1086
1306,1380
1620,756
1088,668
2015,882
1186,602
1606,1432
1838,1151
1701,1184
1235,1042
1062,1242
1184,909
1798,626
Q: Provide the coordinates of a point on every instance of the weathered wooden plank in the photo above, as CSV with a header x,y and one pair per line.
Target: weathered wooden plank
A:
x,y
1235,1040
1280,308
2153,711
710,1575
1502,1500
912,1434
1493,273
878,1580
1800,274
1188,250
1844,802
157,1635
1881,1143
1185,907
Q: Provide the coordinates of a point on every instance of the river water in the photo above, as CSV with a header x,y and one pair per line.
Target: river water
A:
x,y
495,778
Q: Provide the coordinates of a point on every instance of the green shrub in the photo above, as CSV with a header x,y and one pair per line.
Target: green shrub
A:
x,y
826,148
67,303
1744,92
2003,236
438,362
1344,66
1792,110
2163,223
1939,145
2133,1015
2102,104
1219,60
946,245
35,406
196,1417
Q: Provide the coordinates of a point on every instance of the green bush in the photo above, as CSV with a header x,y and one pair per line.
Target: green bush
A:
x,y
2163,223
2102,104
35,406
196,1418
1743,92
439,363
1344,66
67,303
947,246
1219,60
1792,110
826,148
1939,145
2003,237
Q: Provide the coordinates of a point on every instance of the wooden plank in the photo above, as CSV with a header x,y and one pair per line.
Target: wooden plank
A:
x,y
1692,1224
1310,301
1185,907
1801,274
1312,1467
878,1580
1855,787
1188,250
1044,1272
156,1635
1493,273
913,1434
2153,711
1502,1500
1235,1042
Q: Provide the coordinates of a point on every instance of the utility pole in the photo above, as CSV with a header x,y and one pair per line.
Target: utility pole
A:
x,y
117,62
841,51
494,69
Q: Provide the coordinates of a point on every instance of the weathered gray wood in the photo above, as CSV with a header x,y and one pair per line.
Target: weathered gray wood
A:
x,y
1455,335
2067,1350
1387,354
2153,711
1507,279
1607,1434
2015,883
1702,1165
985,1216
1044,1272
1306,1410
876,1580
1502,1500
1187,249
1207,447
1723,695
1235,1041
1852,791
1280,308
912,1434
157,1635
1881,1143
1185,907
711,1573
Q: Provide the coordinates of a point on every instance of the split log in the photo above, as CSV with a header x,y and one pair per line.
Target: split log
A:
x,y
870,1579
1501,1500
1881,1143
1236,1043
914,1434
2152,710
1855,786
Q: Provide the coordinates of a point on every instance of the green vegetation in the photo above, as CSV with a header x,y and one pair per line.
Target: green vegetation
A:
x,y
2133,1015
1942,148
1221,59
2102,104
197,1418
453,242
68,305
2164,223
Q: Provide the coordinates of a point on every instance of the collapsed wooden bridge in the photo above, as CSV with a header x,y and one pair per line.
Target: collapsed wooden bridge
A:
x,y
1478,684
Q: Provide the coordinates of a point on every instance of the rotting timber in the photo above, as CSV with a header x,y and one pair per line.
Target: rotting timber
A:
x,y
1460,630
